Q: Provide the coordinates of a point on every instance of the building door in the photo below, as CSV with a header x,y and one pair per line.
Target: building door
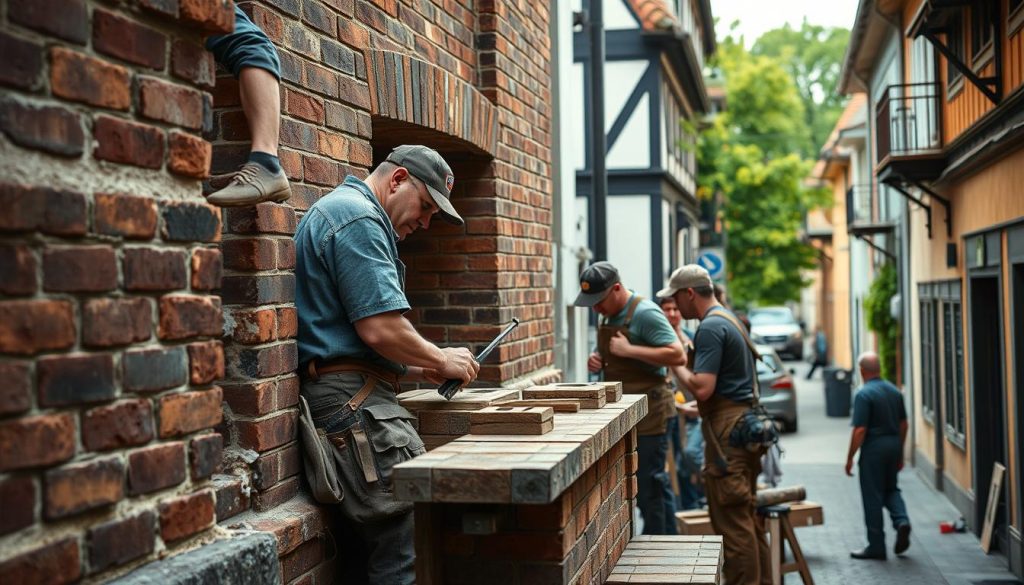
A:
x,y
1016,254
989,412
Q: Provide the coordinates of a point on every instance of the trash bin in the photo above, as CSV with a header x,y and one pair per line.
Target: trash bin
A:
x,y
837,391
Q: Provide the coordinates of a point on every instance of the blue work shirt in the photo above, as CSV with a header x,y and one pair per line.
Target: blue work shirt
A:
x,y
649,328
346,269
878,405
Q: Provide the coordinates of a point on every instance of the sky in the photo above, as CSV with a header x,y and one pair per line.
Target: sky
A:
x,y
758,16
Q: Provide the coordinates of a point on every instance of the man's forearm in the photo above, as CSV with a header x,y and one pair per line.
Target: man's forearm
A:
x,y
393,336
666,355
856,441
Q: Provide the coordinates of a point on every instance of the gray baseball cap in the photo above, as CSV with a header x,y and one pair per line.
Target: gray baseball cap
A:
x,y
595,283
688,276
426,164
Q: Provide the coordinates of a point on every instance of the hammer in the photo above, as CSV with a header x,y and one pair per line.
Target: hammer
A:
x,y
450,387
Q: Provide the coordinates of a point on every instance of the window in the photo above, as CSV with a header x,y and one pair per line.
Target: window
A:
x,y
1015,17
955,43
929,377
953,375
982,24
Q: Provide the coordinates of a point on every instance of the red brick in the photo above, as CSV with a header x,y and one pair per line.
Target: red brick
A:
x,y
322,80
320,18
192,62
302,559
275,467
190,411
205,455
66,19
80,269
279,494
23,62
72,379
353,34
258,289
287,323
128,40
168,7
184,316
305,106
121,424
269,218
260,398
190,222
149,370
15,392
206,362
233,126
59,213
360,153
150,269
124,215
182,517
73,489
207,268
36,441
214,16
155,468
262,362
116,321
190,155
54,564
19,497
268,433
333,145
231,500
291,162
49,128
17,270
27,327
119,541
125,142
80,78
354,93
250,254
225,92
171,103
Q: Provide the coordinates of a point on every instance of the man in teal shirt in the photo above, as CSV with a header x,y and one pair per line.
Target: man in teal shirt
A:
x,y
354,343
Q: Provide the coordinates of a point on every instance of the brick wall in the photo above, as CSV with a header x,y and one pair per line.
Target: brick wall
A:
x,y
109,328
576,539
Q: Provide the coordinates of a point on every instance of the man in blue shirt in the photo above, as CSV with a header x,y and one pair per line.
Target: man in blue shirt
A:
x,y
635,344
879,432
354,343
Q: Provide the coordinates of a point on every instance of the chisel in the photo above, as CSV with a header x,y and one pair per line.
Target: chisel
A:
x,y
450,387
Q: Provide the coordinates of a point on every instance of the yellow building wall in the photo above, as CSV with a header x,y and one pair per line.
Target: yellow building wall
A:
x,y
986,199
840,273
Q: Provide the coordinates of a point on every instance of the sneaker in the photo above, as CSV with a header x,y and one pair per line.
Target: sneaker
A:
x,y
902,539
252,184
217,182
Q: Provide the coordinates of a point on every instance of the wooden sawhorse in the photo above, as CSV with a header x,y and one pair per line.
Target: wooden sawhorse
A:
x,y
779,529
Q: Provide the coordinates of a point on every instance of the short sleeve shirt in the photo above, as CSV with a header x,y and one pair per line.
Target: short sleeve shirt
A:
x,y
720,349
649,328
347,269
878,406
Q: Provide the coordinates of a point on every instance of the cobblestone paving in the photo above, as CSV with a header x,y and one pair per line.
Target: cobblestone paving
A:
x,y
815,457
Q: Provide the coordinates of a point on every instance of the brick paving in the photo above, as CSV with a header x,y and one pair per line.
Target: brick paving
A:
x,y
815,457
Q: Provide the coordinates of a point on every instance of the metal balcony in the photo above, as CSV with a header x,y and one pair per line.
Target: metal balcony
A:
x,y
908,127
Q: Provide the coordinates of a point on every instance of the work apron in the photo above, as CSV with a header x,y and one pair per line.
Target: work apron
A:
x,y
636,376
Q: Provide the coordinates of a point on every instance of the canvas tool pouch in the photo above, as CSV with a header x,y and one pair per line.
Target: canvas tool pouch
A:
x,y
725,468
636,377
368,433
318,459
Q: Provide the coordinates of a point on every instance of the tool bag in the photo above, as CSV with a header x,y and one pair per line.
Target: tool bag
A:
x,y
755,430
318,461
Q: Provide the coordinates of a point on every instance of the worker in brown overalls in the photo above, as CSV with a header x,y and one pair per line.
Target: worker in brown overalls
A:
x,y
722,380
635,343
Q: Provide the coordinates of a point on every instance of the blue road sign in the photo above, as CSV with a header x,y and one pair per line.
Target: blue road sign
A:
x,y
713,261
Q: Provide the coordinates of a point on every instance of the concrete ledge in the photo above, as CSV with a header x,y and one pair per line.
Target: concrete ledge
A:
x,y
248,559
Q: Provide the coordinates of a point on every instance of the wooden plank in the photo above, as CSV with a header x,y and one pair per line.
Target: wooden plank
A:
x,y
512,428
566,405
443,422
994,491
565,391
511,414
469,399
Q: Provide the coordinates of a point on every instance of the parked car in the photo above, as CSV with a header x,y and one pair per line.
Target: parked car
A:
x,y
777,327
778,392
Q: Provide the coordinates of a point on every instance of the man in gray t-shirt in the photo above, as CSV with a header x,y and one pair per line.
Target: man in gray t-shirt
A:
x,y
721,350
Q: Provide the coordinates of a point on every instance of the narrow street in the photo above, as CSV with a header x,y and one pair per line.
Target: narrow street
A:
x,y
815,456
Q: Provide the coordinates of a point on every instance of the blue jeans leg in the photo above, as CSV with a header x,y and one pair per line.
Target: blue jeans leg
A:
x,y
651,483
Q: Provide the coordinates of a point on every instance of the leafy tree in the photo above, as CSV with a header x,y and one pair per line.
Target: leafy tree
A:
x,y
880,320
813,56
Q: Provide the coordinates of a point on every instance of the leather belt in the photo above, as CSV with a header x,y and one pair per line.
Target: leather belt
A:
x,y
314,370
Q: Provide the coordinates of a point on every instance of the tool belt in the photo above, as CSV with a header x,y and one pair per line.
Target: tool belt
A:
x,y
315,369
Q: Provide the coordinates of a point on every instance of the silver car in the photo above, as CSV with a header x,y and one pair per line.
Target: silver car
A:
x,y
778,391
777,327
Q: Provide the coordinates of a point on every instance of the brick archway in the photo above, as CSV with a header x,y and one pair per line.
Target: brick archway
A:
x,y
408,91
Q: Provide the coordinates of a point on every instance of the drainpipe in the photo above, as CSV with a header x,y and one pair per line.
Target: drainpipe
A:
x,y
599,149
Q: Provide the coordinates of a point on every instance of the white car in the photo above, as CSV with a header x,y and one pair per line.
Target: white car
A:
x,y
777,327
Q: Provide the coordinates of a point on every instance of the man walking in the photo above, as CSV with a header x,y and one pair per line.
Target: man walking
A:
x,y
879,432
722,381
354,343
820,351
635,343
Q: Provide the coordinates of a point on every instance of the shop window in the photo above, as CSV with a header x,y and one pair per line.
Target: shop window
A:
x,y
982,26
953,375
929,363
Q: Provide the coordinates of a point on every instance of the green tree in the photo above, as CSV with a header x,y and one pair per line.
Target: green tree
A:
x,y
813,56
750,154
879,318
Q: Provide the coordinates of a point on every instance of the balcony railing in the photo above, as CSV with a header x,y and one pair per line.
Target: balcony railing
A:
x,y
858,205
907,120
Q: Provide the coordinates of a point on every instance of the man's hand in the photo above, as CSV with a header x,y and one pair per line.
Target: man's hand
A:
x,y
594,363
620,345
849,467
689,409
458,365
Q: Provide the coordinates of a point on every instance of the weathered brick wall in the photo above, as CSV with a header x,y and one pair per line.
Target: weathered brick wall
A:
x,y
109,328
576,540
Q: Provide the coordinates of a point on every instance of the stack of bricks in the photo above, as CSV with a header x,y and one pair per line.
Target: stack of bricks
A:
x,y
109,328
